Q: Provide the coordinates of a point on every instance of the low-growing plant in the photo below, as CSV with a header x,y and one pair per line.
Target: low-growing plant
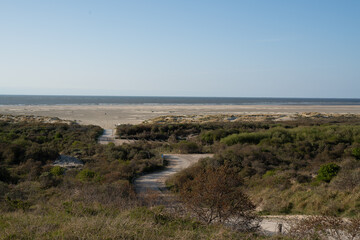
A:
x,y
253,138
87,175
269,173
57,171
356,153
187,147
328,171
17,203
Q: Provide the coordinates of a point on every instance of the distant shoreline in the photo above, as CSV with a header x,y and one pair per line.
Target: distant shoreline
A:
x,y
43,100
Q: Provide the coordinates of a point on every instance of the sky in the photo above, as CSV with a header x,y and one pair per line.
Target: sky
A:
x,y
241,48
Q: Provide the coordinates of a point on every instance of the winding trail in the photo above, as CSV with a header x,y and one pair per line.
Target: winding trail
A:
x,y
154,183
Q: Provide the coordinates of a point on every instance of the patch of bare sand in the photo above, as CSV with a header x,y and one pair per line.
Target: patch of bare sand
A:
x,y
107,116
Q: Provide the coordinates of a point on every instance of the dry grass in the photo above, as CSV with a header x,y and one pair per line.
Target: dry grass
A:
x,y
138,223
325,227
300,199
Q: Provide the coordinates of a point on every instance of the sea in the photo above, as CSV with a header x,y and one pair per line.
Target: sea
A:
x,y
114,100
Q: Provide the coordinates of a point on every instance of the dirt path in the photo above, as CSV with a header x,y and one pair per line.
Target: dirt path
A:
x,y
154,183
109,135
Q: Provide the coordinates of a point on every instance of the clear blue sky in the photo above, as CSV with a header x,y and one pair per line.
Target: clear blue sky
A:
x,y
249,48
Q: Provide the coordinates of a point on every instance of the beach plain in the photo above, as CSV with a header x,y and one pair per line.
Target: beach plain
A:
x,y
107,116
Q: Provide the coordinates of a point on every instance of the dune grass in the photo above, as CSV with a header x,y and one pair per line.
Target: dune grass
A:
x,y
137,223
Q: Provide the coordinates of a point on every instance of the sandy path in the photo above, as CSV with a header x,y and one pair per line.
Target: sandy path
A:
x,y
109,135
155,182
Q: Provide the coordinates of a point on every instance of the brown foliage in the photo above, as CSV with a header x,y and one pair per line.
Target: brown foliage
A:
x,y
326,227
214,195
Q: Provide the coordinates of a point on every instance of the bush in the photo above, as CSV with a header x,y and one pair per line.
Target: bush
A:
x,y
57,171
187,147
327,172
269,173
87,175
253,138
356,153
215,195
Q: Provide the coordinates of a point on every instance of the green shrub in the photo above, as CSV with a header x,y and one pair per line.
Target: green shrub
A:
x,y
58,135
269,173
187,147
87,175
356,153
57,171
253,138
328,171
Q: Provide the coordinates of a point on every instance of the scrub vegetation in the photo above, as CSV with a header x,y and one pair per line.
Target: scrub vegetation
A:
x,y
93,201
303,166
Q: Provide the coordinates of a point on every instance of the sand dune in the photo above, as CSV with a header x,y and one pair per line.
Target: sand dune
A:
x,y
107,116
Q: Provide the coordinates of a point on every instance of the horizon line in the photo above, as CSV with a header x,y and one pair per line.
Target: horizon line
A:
x,y
153,96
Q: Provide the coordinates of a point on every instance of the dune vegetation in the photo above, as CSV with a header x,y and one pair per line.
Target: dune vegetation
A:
x,y
306,166
95,200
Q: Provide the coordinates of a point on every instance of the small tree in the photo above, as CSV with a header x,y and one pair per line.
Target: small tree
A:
x,y
328,171
214,195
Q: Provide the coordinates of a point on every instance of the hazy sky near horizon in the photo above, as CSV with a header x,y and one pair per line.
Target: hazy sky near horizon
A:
x,y
240,48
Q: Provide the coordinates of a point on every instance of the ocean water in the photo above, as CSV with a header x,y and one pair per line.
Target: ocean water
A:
x,y
101,100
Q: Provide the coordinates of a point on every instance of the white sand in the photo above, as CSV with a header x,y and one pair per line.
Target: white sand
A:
x,y
107,116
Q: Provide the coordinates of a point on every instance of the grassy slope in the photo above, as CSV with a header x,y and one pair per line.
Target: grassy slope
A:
x,y
138,223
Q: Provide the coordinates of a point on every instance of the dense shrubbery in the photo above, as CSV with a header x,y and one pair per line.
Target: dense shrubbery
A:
x,y
157,132
27,179
252,138
20,142
286,158
278,165
39,201
210,132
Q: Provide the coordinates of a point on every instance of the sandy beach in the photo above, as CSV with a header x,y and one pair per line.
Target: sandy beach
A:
x,y
107,116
